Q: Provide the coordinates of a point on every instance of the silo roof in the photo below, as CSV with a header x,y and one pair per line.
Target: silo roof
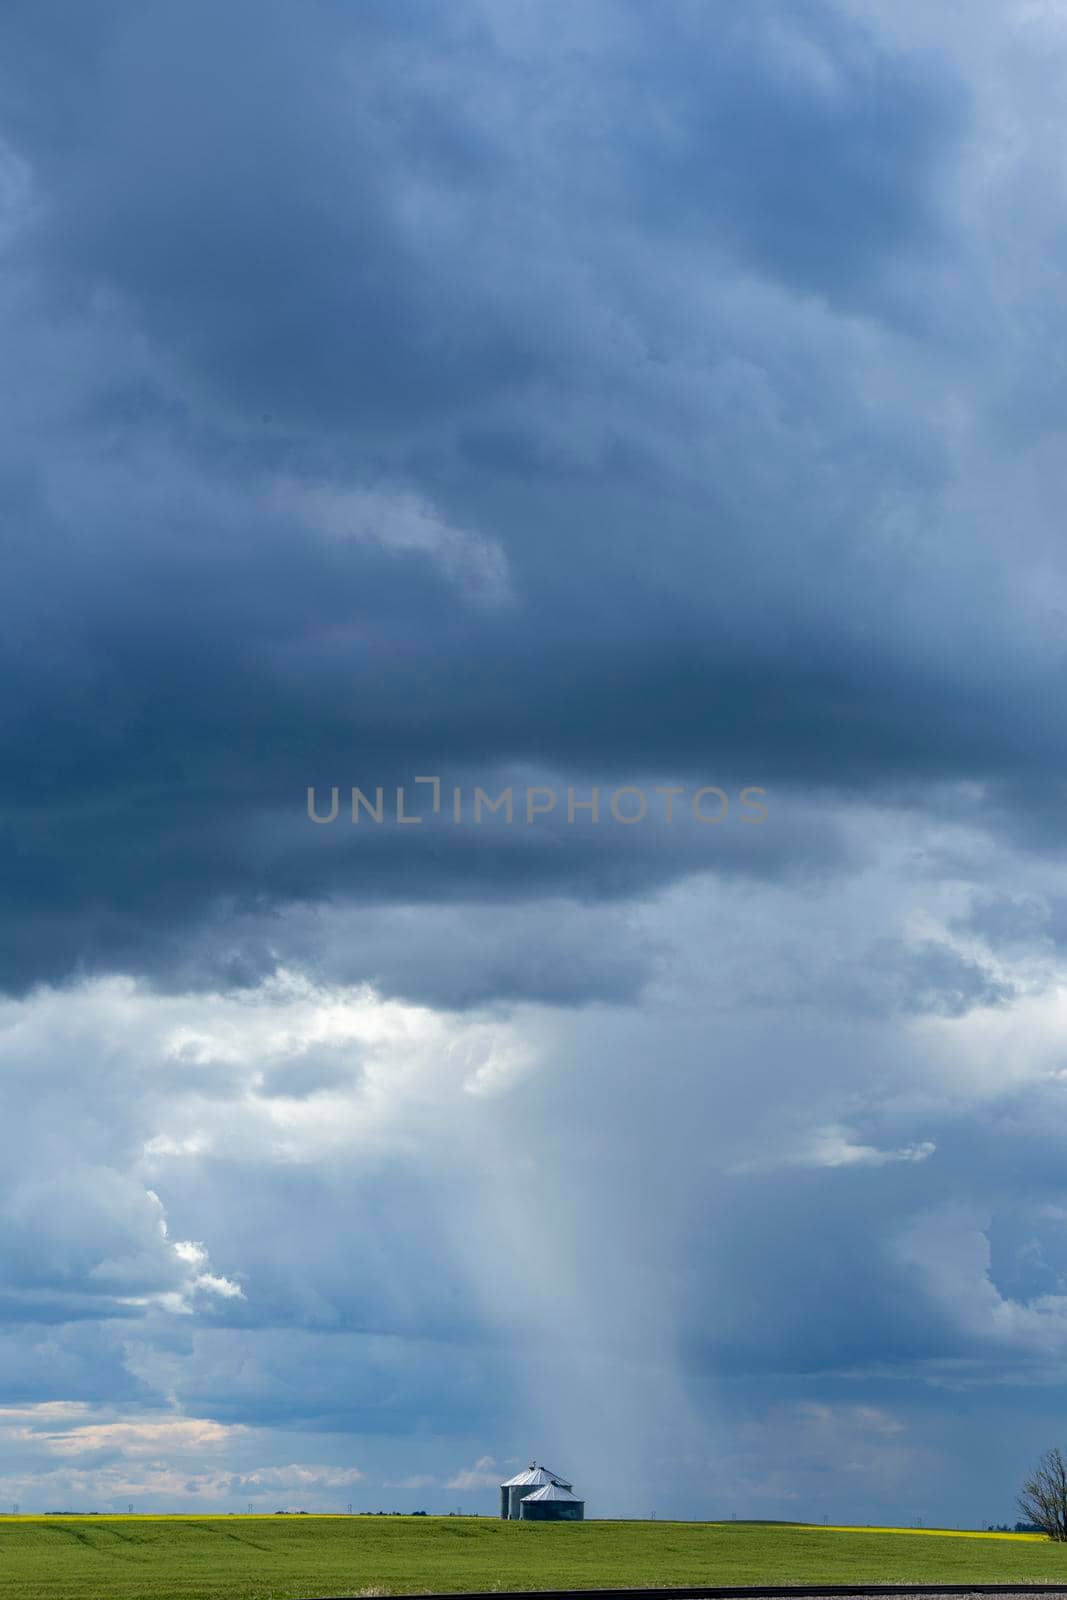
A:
x,y
534,1476
551,1491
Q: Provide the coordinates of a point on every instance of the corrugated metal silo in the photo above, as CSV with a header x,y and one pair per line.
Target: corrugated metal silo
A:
x,y
552,1504
513,1493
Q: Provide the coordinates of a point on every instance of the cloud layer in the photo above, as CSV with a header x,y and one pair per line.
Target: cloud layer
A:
x,y
601,396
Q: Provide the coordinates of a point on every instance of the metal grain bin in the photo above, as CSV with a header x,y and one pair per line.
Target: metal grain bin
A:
x,y
552,1504
514,1492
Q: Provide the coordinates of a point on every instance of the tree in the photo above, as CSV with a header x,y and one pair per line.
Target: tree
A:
x,y
1043,1500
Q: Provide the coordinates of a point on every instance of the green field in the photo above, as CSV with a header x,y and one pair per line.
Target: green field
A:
x,y
281,1558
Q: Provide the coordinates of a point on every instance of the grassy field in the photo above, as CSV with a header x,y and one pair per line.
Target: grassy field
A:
x,y
282,1558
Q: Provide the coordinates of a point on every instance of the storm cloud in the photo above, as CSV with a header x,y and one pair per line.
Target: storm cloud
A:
x,y
602,397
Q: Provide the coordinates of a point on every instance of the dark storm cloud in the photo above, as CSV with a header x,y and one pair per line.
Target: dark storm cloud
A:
x,y
262,263
793,138
444,955
255,201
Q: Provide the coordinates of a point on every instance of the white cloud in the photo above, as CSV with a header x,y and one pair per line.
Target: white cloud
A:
x,y
836,1146
483,1475
400,521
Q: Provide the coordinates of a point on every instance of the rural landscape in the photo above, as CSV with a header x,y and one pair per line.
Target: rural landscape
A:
x,y
533,797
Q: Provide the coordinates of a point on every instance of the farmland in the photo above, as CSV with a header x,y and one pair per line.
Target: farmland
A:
x,y
282,1558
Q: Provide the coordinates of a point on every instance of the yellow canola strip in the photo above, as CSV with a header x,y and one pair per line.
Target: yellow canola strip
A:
x,y
940,1533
